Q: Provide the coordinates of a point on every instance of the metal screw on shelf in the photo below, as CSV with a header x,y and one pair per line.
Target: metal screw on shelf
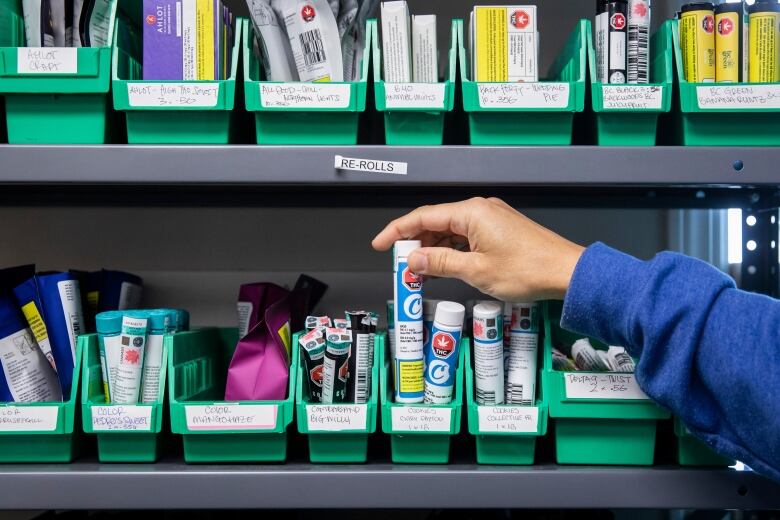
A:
x,y
738,165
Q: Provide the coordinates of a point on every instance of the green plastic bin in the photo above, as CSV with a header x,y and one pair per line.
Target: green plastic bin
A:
x,y
42,432
331,437
174,112
627,115
532,114
125,433
303,113
197,369
413,439
724,114
693,452
505,434
67,107
600,418
414,112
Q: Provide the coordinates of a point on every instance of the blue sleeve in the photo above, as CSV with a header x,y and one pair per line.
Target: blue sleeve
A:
x,y
707,351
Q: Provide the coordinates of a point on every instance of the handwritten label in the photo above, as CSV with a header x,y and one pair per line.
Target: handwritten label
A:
x,y
46,60
421,419
632,97
28,418
602,386
370,165
304,95
523,95
227,416
514,419
741,97
414,95
122,417
334,418
173,94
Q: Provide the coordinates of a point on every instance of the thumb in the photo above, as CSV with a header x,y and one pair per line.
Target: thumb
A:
x,y
441,261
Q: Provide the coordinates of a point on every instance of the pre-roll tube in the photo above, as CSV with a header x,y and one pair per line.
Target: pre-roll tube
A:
x,y
441,361
407,288
488,333
521,366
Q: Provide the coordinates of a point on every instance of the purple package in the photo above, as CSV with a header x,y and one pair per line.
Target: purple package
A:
x,y
168,38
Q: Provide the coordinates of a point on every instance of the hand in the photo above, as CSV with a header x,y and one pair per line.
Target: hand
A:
x,y
489,245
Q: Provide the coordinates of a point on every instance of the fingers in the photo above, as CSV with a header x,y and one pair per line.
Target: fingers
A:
x,y
443,262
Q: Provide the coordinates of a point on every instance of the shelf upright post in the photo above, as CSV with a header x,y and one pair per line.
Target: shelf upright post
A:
x,y
760,261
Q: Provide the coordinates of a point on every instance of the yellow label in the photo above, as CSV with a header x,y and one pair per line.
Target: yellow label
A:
x,y
35,321
764,34
491,44
697,42
410,376
92,300
205,35
727,42
284,335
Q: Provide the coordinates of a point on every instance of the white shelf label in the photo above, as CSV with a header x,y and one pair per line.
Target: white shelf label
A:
x,y
414,95
514,419
201,95
740,97
370,165
334,418
228,416
304,95
633,97
28,418
602,386
122,417
46,60
523,95
421,419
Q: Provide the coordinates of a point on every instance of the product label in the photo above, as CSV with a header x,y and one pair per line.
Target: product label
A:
x,y
632,97
414,95
112,348
370,165
228,416
523,95
124,417
28,418
129,296
521,368
514,419
126,383
244,314
27,372
179,95
305,95
408,332
602,386
441,362
505,44
333,418
739,97
38,328
421,419
153,361
489,372
71,307
46,60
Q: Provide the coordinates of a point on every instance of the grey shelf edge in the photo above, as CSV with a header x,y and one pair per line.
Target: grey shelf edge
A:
x,y
432,166
85,485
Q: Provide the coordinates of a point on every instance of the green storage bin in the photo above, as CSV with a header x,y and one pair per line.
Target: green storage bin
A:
x,y
543,114
418,446
330,444
627,115
693,452
409,122
125,433
513,439
42,432
331,119
68,107
603,429
197,369
207,119
734,114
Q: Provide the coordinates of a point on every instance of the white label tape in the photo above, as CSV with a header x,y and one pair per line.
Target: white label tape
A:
x,y
632,97
230,416
602,386
304,95
421,419
179,95
739,97
46,60
333,418
523,95
28,418
414,95
370,165
122,417
513,419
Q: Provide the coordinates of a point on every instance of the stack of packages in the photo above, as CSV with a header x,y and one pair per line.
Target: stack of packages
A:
x,y
408,58
504,44
310,40
187,40
582,356
622,41
131,351
338,355
67,23
40,320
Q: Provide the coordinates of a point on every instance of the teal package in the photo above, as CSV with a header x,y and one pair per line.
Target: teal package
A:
x,y
160,323
108,325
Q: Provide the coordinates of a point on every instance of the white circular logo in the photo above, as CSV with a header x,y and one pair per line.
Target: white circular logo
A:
x,y
438,372
413,306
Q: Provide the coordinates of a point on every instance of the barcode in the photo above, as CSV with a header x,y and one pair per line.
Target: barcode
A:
x,y
514,394
624,361
486,398
601,45
362,368
313,49
637,54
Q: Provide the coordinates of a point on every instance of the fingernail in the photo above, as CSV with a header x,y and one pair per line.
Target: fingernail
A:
x,y
418,262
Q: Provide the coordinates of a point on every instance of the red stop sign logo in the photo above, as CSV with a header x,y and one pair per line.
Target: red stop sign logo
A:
x,y
307,13
443,344
520,19
618,21
344,371
725,26
708,24
411,280
316,375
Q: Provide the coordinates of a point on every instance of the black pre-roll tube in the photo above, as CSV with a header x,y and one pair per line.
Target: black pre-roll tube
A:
x,y
312,346
611,40
360,357
335,369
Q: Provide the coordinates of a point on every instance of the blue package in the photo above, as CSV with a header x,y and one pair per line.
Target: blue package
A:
x,y
119,291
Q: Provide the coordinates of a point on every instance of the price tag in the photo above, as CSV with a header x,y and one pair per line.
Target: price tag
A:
x,y
370,165
523,95
632,97
512,419
122,417
46,60
28,418
180,95
228,416
334,418
414,95
304,95
421,419
739,97
603,386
